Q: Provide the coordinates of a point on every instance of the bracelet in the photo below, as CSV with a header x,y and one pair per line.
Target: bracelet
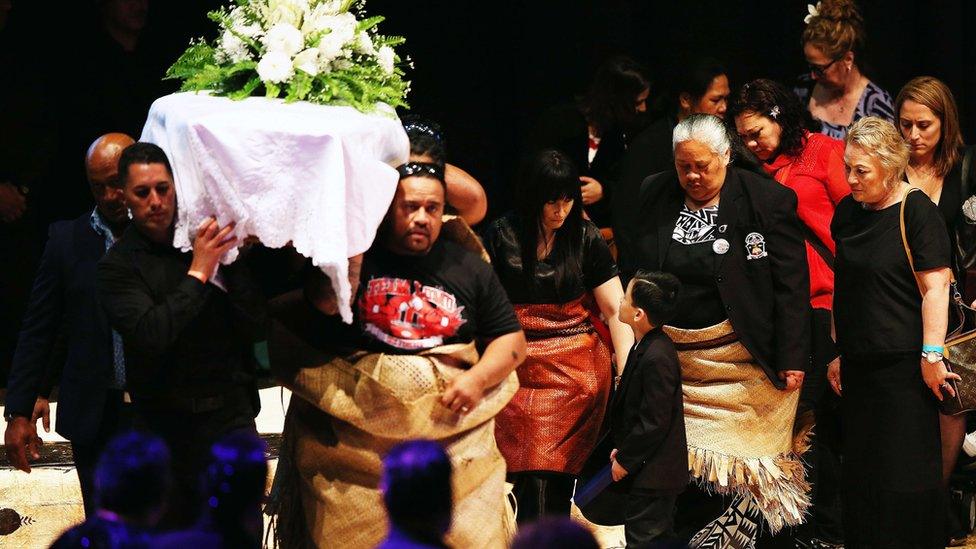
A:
x,y
932,348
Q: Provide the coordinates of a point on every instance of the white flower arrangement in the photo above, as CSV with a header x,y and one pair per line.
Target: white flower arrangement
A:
x,y
304,50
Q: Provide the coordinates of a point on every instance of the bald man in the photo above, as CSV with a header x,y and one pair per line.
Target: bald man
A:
x,y
91,399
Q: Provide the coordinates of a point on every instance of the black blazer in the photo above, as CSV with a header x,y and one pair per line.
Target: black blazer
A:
x,y
647,422
767,299
65,292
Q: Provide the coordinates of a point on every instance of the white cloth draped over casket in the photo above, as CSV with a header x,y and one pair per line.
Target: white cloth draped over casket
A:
x,y
319,177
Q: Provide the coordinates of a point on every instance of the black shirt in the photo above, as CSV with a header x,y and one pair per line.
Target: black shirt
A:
x,y
595,264
408,304
690,256
877,303
181,337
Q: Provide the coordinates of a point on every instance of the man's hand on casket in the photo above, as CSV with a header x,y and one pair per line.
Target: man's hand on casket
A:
x,y
464,392
210,244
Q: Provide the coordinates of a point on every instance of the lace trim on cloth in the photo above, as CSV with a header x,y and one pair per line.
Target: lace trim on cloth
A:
x,y
695,227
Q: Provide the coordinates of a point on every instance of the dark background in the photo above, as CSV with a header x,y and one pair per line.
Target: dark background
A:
x,y
484,70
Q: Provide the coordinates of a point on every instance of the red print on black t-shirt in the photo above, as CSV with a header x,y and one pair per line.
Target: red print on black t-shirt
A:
x,y
407,314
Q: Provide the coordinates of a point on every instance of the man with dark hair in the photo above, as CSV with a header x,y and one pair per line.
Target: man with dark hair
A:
x,y
431,353
132,482
64,299
188,338
650,460
416,488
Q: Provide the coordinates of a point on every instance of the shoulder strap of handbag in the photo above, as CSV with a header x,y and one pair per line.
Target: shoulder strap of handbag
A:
x,y
955,298
818,245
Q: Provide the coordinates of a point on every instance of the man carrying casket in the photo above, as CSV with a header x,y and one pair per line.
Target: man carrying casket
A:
x,y
187,329
430,354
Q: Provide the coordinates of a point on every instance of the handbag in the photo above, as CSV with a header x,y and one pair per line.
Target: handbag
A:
x,y
960,346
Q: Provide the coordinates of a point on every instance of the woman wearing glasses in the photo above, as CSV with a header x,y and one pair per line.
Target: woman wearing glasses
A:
x,y
835,90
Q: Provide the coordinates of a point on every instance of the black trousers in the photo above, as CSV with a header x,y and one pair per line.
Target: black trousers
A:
x,y
189,437
824,457
541,493
116,418
649,518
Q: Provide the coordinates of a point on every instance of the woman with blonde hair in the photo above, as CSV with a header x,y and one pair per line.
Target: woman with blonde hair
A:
x,y
889,309
835,89
929,121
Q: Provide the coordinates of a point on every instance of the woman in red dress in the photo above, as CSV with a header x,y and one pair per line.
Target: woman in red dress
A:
x,y
770,120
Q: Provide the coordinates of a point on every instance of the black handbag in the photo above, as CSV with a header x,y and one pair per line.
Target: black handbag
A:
x,y
960,345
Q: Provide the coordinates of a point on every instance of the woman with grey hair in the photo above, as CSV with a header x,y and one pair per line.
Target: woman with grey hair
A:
x,y
742,331
889,308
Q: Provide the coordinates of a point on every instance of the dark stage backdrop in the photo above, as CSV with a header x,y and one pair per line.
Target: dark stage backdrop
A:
x,y
484,70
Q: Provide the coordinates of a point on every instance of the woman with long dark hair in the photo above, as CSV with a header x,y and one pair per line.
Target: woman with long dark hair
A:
x,y
594,131
553,263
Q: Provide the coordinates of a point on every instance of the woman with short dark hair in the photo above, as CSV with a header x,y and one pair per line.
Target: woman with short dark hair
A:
x,y
554,265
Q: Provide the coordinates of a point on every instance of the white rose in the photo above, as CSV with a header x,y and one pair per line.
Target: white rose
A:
x,y
308,61
386,58
290,12
284,38
233,48
364,44
330,47
275,67
320,17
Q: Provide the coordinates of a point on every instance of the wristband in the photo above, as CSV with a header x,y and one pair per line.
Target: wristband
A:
x,y
932,348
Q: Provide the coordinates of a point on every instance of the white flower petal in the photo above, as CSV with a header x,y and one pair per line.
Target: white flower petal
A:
x,y
275,67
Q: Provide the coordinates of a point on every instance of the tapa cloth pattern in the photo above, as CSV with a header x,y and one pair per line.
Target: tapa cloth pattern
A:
x,y
351,412
317,176
553,421
739,426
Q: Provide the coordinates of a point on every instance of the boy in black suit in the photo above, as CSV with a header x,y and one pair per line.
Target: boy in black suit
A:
x,y
650,459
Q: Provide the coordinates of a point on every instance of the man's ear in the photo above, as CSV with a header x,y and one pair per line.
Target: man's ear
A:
x,y
684,100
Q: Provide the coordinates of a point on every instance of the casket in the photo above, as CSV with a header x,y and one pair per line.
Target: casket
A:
x,y
317,177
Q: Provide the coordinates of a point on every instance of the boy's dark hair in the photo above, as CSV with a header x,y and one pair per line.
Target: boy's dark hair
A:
x,y
417,491
141,153
657,294
133,474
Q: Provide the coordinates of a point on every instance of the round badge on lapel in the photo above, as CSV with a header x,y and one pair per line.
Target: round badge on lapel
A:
x,y
720,246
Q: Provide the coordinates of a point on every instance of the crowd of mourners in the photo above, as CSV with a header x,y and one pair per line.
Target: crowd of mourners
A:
x,y
722,328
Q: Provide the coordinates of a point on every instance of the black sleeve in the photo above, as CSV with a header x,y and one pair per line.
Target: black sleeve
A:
x,y
598,264
660,377
791,283
495,315
150,327
248,304
926,232
39,330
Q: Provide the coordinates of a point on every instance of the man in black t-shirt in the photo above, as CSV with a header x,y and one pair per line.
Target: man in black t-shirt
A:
x,y
418,292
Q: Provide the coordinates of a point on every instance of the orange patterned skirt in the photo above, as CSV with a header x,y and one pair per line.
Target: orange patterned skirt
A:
x,y
553,421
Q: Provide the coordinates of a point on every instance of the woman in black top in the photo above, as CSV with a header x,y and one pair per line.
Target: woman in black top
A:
x,y
553,264
927,116
741,330
885,315
594,132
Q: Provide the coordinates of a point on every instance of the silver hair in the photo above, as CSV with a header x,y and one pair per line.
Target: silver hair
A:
x,y
707,129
